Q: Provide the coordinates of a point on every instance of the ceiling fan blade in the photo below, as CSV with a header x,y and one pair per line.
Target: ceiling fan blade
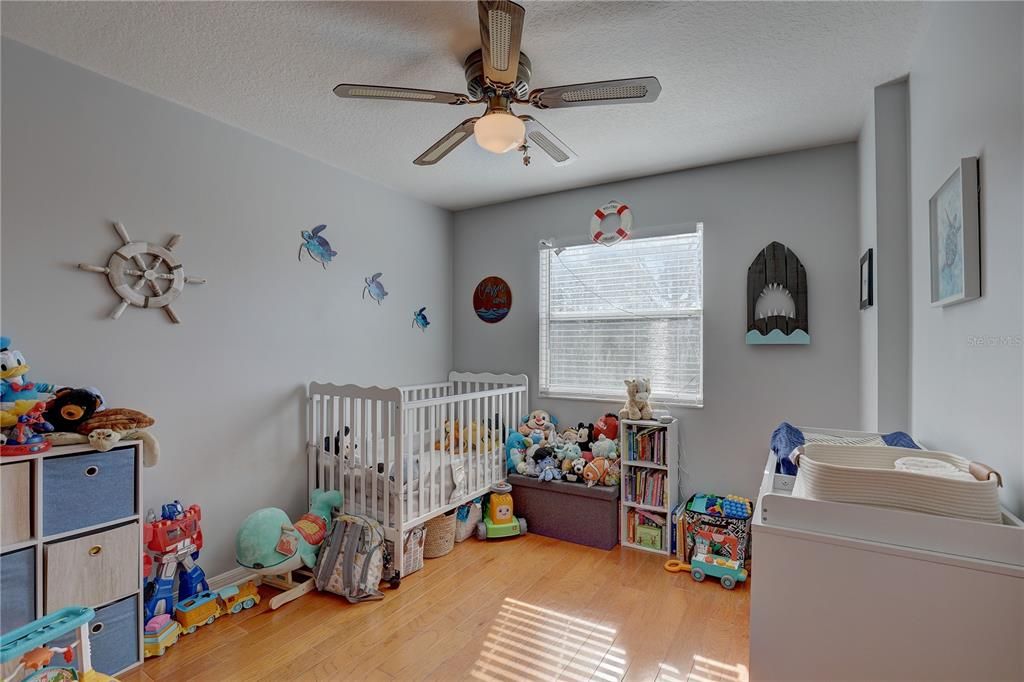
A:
x,y
501,33
540,137
446,144
623,91
355,91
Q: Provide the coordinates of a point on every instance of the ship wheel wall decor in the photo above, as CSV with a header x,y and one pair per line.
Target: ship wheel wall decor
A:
x,y
145,275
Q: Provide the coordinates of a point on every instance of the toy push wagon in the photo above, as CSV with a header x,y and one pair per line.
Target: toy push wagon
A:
x,y
32,647
498,521
704,562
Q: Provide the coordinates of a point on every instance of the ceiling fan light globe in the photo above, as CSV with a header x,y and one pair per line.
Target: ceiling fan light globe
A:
x,y
499,132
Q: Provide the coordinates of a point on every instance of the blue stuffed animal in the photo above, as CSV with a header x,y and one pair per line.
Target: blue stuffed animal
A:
x,y
516,446
269,543
548,469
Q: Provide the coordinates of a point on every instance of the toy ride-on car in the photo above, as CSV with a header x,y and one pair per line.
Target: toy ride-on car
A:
x,y
498,521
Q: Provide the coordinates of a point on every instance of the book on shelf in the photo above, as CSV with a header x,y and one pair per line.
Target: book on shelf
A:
x,y
646,486
645,528
647,445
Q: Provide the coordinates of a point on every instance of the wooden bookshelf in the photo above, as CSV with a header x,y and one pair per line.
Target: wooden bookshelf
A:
x,y
649,452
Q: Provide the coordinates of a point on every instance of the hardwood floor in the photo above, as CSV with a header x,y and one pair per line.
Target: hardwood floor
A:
x,y
529,608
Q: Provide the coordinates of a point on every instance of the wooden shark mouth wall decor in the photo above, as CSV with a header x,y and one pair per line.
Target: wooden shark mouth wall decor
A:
x,y
777,298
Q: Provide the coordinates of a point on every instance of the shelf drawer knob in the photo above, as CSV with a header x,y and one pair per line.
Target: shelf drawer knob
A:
x,y
96,628
92,470
95,550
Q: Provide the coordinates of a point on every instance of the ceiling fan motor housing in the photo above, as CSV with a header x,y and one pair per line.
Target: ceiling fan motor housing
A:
x,y
476,85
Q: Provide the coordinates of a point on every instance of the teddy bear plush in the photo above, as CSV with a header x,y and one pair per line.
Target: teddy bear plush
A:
x,y
638,393
72,406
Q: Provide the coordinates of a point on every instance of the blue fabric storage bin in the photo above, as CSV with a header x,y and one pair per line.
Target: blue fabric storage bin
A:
x,y
113,637
86,490
17,589
114,634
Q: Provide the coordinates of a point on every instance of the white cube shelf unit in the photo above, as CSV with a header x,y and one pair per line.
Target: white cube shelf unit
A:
x,y
72,536
657,468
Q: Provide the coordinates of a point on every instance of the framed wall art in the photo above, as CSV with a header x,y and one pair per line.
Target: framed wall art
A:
x,y
955,234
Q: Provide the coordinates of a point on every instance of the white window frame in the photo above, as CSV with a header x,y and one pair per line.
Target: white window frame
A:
x,y
693,400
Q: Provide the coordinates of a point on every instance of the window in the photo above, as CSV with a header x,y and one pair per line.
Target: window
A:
x,y
633,309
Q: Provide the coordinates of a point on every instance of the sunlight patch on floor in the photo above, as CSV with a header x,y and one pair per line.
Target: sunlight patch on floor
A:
x,y
527,641
709,670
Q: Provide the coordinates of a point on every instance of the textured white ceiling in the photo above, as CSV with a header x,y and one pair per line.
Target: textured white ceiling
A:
x,y
738,79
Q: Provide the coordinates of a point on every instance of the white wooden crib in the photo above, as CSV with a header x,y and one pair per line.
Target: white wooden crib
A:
x,y
395,463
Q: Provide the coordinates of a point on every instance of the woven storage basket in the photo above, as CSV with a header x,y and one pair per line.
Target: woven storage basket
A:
x,y
412,558
440,535
867,475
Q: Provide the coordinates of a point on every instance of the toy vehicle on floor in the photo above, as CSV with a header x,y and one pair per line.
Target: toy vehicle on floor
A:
x,y
499,521
32,646
161,632
704,563
208,606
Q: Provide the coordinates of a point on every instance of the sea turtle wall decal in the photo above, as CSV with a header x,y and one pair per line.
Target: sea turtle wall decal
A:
x,y
777,298
317,246
374,287
144,275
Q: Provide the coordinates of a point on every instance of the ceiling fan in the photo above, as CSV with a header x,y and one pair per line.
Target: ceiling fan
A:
x,y
498,75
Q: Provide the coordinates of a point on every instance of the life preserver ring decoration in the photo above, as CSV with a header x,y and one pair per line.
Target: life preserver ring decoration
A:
x,y
599,235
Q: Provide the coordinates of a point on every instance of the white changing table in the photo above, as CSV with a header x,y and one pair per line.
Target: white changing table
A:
x,y
842,591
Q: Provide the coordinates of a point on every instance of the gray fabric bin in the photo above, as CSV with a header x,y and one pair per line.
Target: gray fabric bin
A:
x,y
568,511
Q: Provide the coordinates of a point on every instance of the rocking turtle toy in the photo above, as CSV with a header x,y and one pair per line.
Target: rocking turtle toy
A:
x,y
374,288
317,246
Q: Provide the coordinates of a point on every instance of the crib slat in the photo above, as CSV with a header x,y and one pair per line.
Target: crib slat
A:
x,y
374,447
421,411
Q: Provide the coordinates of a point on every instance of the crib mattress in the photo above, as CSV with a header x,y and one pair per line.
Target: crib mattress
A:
x,y
867,474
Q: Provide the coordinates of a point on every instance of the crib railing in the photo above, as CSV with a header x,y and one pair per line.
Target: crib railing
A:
x,y
471,452
374,443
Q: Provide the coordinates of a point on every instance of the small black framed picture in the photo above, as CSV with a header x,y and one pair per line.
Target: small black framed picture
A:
x,y
867,279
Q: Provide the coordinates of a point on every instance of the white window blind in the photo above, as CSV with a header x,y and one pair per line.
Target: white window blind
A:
x,y
633,309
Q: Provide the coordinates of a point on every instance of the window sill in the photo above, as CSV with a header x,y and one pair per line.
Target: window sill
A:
x,y
658,402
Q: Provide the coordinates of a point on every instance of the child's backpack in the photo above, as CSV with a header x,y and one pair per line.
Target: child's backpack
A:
x,y
351,561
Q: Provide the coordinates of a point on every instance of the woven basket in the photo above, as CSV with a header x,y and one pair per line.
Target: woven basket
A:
x,y
440,535
412,557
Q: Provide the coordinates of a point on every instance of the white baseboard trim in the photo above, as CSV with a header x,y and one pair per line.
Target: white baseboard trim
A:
x,y
235,576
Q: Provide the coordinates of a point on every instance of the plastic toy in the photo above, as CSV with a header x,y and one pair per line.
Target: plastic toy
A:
x,y
499,522
677,566
173,543
22,438
161,632
201,609
737,507
704,563
31,646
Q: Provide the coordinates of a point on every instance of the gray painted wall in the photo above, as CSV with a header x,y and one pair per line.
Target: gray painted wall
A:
x,y
967,99
225,386
884,226
868,240
807,200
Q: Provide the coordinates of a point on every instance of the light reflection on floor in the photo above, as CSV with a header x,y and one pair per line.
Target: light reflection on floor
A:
x,y
530,642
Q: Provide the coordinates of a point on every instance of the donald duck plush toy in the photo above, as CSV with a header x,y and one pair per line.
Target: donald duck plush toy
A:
x,y
18,395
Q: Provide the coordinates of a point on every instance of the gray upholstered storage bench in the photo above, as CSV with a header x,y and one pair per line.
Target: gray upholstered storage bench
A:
x,y
568,511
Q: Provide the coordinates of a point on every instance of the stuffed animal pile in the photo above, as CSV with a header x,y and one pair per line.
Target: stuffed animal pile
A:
x,y
586,454
35,415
